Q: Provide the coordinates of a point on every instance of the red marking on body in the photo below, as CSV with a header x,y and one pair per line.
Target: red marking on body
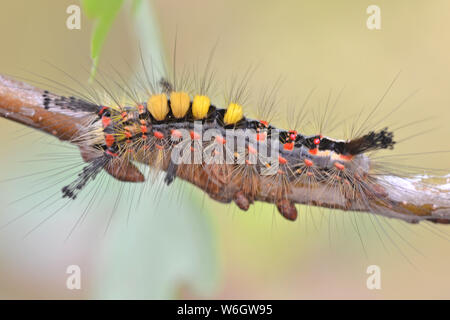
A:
x,y
111,153
141,109
313,151
127,133
339,166
102,110
346,157
309,174
261,136
220,140
158,146
292,135
194,135
316,141
288,146
308,163
282,160
265,123
106,121
144,129
124,115
144,137
251,150
109,139
176,134
158,134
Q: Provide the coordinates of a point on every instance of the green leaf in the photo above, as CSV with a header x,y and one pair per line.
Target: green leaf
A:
x,y
103,12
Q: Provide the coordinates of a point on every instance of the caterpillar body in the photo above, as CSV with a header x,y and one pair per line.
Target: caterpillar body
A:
x,y
227,155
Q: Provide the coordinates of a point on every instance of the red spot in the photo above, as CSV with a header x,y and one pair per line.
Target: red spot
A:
x,y
158,134
316,141
282,160
261,136
292,134
309,174
144,129
220,140
288,146
346,157
102,110
176,134
106,121
252,150
194,135
192,149
160,147
127,133
265,123
144,137
124,114
141,109
308,163
339,166
111,153
109,138
313,151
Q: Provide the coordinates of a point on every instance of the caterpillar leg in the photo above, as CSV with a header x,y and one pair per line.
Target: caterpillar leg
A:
x,y
242,201
287,209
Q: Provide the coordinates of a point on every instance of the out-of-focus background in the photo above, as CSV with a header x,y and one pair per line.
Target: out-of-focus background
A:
x,y
173,242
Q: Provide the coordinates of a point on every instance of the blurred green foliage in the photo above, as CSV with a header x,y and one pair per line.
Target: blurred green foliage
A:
x,y
103,12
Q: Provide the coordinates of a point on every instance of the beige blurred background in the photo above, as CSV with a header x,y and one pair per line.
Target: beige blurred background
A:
x,y
178,244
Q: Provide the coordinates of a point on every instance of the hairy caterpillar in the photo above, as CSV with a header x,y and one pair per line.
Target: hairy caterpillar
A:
x,y
229,156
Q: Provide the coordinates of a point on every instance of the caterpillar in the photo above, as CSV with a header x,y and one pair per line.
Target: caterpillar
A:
x,y
230,157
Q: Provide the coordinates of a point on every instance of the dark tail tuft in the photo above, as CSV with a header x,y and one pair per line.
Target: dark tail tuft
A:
x,y
383,139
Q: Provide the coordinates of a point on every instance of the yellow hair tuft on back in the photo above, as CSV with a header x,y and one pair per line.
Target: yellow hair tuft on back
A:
x,y
179,103
200,106
157,106
233,114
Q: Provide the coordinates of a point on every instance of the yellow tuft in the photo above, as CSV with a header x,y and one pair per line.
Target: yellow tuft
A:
x,y
200,106
179,102
157,106
234,114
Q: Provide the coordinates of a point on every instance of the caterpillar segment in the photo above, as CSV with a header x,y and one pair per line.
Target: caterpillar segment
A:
x,y
293,169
